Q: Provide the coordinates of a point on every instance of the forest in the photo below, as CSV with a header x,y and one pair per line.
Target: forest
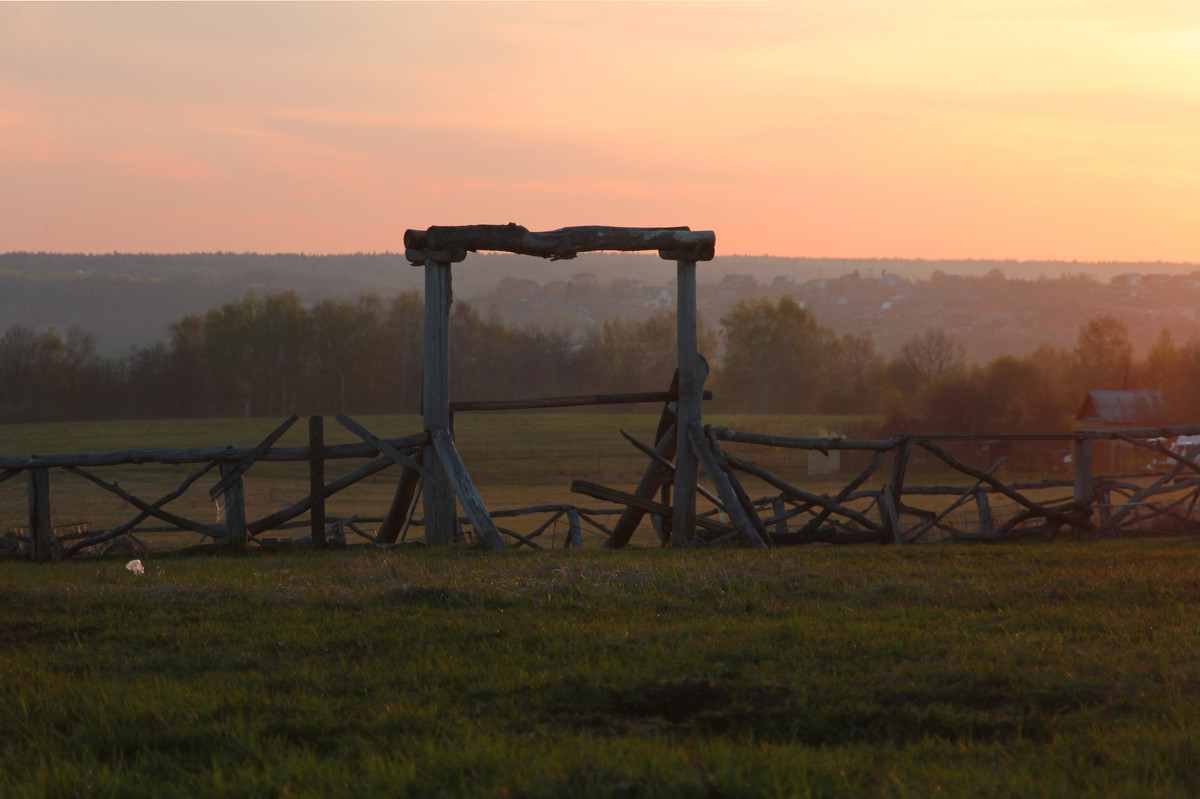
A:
x,y
269,354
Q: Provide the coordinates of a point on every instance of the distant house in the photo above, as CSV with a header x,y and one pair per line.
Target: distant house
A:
x,y
1120,410
1115,410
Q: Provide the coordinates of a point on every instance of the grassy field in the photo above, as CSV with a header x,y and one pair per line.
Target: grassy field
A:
x,y
1035,671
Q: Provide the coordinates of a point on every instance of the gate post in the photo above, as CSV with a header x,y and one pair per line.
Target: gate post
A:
x,y
440,508
692,371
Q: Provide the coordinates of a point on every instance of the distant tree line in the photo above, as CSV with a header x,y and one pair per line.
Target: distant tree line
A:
x,y
270,355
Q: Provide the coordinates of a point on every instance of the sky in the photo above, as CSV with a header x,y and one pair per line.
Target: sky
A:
x,y
948,129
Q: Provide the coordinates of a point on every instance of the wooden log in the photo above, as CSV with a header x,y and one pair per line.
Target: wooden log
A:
x,y
646,505
121,529
1074,520
574,530
890,529
280,517
896,490
799,493
577,400
984,509
412,509
256,453
1161,450
316,479
384,448
747,504
209,530
733,506
777,511
456,473
822,445
692,371
1119,516
963,497
521,539
651,480
184,456
1081,460
669,468
236,533
5,474
41,526
454,242
441,518
402,501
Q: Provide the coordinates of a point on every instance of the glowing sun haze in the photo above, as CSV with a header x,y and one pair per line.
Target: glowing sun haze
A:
x,y
1026,130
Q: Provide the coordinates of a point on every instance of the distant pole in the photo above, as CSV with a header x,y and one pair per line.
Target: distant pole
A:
x,y
691,388
440,508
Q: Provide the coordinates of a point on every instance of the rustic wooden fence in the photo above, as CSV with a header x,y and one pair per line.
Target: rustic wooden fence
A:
x,y
877,504
43,541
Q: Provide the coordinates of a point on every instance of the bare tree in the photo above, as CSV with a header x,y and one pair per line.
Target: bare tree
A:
x,y
931,353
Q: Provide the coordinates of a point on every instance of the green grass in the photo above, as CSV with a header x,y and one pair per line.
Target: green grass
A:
x,y
1034,671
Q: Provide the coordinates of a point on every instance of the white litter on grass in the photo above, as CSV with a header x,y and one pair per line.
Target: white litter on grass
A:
x,y
136,566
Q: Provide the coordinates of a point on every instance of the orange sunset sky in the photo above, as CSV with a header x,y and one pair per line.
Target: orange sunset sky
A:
x,y
1024,129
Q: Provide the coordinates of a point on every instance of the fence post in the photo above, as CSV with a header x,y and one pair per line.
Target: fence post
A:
x,y
41,527
316,478
1085,486
691,387
235,507
440,509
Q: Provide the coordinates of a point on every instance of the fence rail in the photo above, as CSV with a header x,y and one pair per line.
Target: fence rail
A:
x,y
876,505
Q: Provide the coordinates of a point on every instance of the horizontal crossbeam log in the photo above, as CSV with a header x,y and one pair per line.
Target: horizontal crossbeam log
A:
x,y
179,456
571,401
452,243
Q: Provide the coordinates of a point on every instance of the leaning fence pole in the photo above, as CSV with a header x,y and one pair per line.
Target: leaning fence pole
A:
x,y
440,510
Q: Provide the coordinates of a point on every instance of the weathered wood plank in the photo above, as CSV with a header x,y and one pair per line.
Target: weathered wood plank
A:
x,y
125,527
733,506
177,457
316,479
646,505
441,518
652,478
692,372
398,511
456,473
799,493
210,530
1075,520
41,526
822,445
577,400
454,242
280,517
256,453
236,533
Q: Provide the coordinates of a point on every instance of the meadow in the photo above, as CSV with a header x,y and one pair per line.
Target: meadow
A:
x,y
1017,671
1049,669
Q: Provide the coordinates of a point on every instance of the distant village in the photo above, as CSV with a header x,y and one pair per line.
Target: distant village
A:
x,y
990,315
